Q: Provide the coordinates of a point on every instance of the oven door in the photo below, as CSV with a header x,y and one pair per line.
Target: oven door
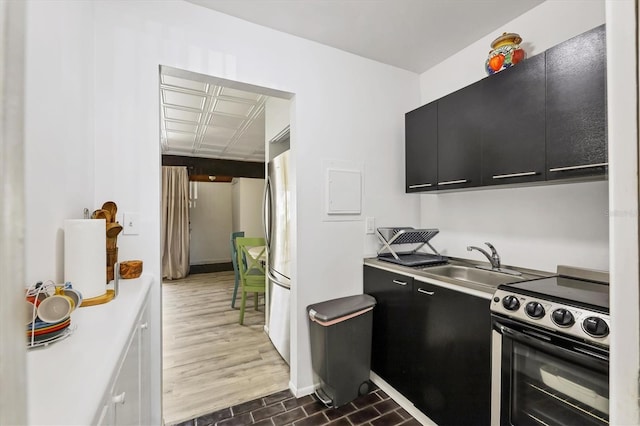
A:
x,y
541,378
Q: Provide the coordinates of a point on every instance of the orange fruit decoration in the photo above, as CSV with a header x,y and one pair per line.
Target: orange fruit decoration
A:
x,y
496,62
505,53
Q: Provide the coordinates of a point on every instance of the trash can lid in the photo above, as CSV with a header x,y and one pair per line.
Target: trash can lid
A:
x,y
336,308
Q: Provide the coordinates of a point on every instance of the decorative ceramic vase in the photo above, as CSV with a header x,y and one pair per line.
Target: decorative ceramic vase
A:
x,y
505,52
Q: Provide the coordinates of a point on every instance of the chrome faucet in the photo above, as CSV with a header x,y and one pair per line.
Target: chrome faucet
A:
x,y
494,258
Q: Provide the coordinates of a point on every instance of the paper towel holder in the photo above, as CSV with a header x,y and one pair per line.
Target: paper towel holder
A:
x,y
109,295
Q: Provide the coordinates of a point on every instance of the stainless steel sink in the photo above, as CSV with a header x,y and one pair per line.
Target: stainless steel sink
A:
x,y
472,275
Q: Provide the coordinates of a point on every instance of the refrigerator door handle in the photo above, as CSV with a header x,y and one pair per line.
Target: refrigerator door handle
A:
x,y
266,204
276,280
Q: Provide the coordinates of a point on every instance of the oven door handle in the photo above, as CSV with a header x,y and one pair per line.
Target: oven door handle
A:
x,y
540,341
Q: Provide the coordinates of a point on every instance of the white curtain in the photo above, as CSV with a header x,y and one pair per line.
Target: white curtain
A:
x,y
175,222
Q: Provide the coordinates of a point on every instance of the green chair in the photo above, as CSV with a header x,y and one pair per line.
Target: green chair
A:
x,y
234,260
251,267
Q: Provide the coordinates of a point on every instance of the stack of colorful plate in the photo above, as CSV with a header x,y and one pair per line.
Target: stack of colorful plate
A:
x,y
42,331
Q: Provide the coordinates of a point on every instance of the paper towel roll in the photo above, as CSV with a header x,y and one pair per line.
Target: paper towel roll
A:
x,y
85,256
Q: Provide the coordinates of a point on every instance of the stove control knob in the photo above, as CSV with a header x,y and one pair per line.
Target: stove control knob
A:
x,y
596,327
562,318
534,310
511,303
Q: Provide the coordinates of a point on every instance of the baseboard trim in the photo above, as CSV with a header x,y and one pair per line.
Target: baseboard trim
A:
x,y
210,267
390,390
401,400
307,390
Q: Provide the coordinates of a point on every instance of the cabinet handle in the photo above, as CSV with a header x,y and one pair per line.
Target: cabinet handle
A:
x,y
585,166
511,175
453,182
144,325
399,282
421,185
119,399
428,293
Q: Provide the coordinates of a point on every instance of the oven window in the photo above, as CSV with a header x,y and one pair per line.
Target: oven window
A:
x,y
547,390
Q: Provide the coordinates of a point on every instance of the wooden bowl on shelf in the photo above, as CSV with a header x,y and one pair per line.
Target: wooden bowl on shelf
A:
x,y
130,269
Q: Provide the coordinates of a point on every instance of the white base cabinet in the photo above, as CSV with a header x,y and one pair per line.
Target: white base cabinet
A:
x,y
127,402
101,374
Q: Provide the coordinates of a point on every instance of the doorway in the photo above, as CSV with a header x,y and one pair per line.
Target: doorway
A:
x,y
216,128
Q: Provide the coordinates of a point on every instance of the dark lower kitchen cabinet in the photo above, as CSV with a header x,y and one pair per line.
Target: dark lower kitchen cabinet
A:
x,y
391,326
460,124
433,345
421,145
513,136
576,106
451,355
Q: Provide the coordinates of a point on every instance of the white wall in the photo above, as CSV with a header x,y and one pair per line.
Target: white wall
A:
x,y
211,224
246,197
59,130
276,116
536,227
94,133
276,119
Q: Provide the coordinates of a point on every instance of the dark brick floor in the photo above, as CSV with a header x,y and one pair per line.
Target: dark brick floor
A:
x,y
282,408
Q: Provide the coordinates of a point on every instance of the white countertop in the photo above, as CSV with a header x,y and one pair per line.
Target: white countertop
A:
x,y
66,380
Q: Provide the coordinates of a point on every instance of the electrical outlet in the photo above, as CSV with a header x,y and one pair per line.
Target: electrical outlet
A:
x,y
371,225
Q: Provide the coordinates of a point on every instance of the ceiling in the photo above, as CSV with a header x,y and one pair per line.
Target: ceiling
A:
x,y
202,116
411,34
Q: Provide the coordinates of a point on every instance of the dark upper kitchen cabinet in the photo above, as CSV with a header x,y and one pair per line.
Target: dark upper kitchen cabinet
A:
x,y
460,123
452,355
542,119
421,145
576,106
513,133
391,326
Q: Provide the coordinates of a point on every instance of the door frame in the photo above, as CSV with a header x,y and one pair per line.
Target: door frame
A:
x,y
13,388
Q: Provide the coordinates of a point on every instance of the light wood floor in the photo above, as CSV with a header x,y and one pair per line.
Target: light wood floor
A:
x,y
209,360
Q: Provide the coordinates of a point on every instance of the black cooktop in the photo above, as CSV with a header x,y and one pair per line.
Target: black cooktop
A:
x,y
574,291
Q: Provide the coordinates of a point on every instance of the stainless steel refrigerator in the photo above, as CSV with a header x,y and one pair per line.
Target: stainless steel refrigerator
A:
x,y
278,252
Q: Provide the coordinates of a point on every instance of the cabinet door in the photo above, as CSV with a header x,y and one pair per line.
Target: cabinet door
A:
x,y
452,360
391,326
126,390
576,107
460,127
513,142
421,148
105,418
145,367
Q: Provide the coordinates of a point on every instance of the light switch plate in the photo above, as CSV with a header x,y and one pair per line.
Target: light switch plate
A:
x,y
130,223
371,225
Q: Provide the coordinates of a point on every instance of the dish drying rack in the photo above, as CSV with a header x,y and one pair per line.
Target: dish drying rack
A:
x,y
35,290
408,235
